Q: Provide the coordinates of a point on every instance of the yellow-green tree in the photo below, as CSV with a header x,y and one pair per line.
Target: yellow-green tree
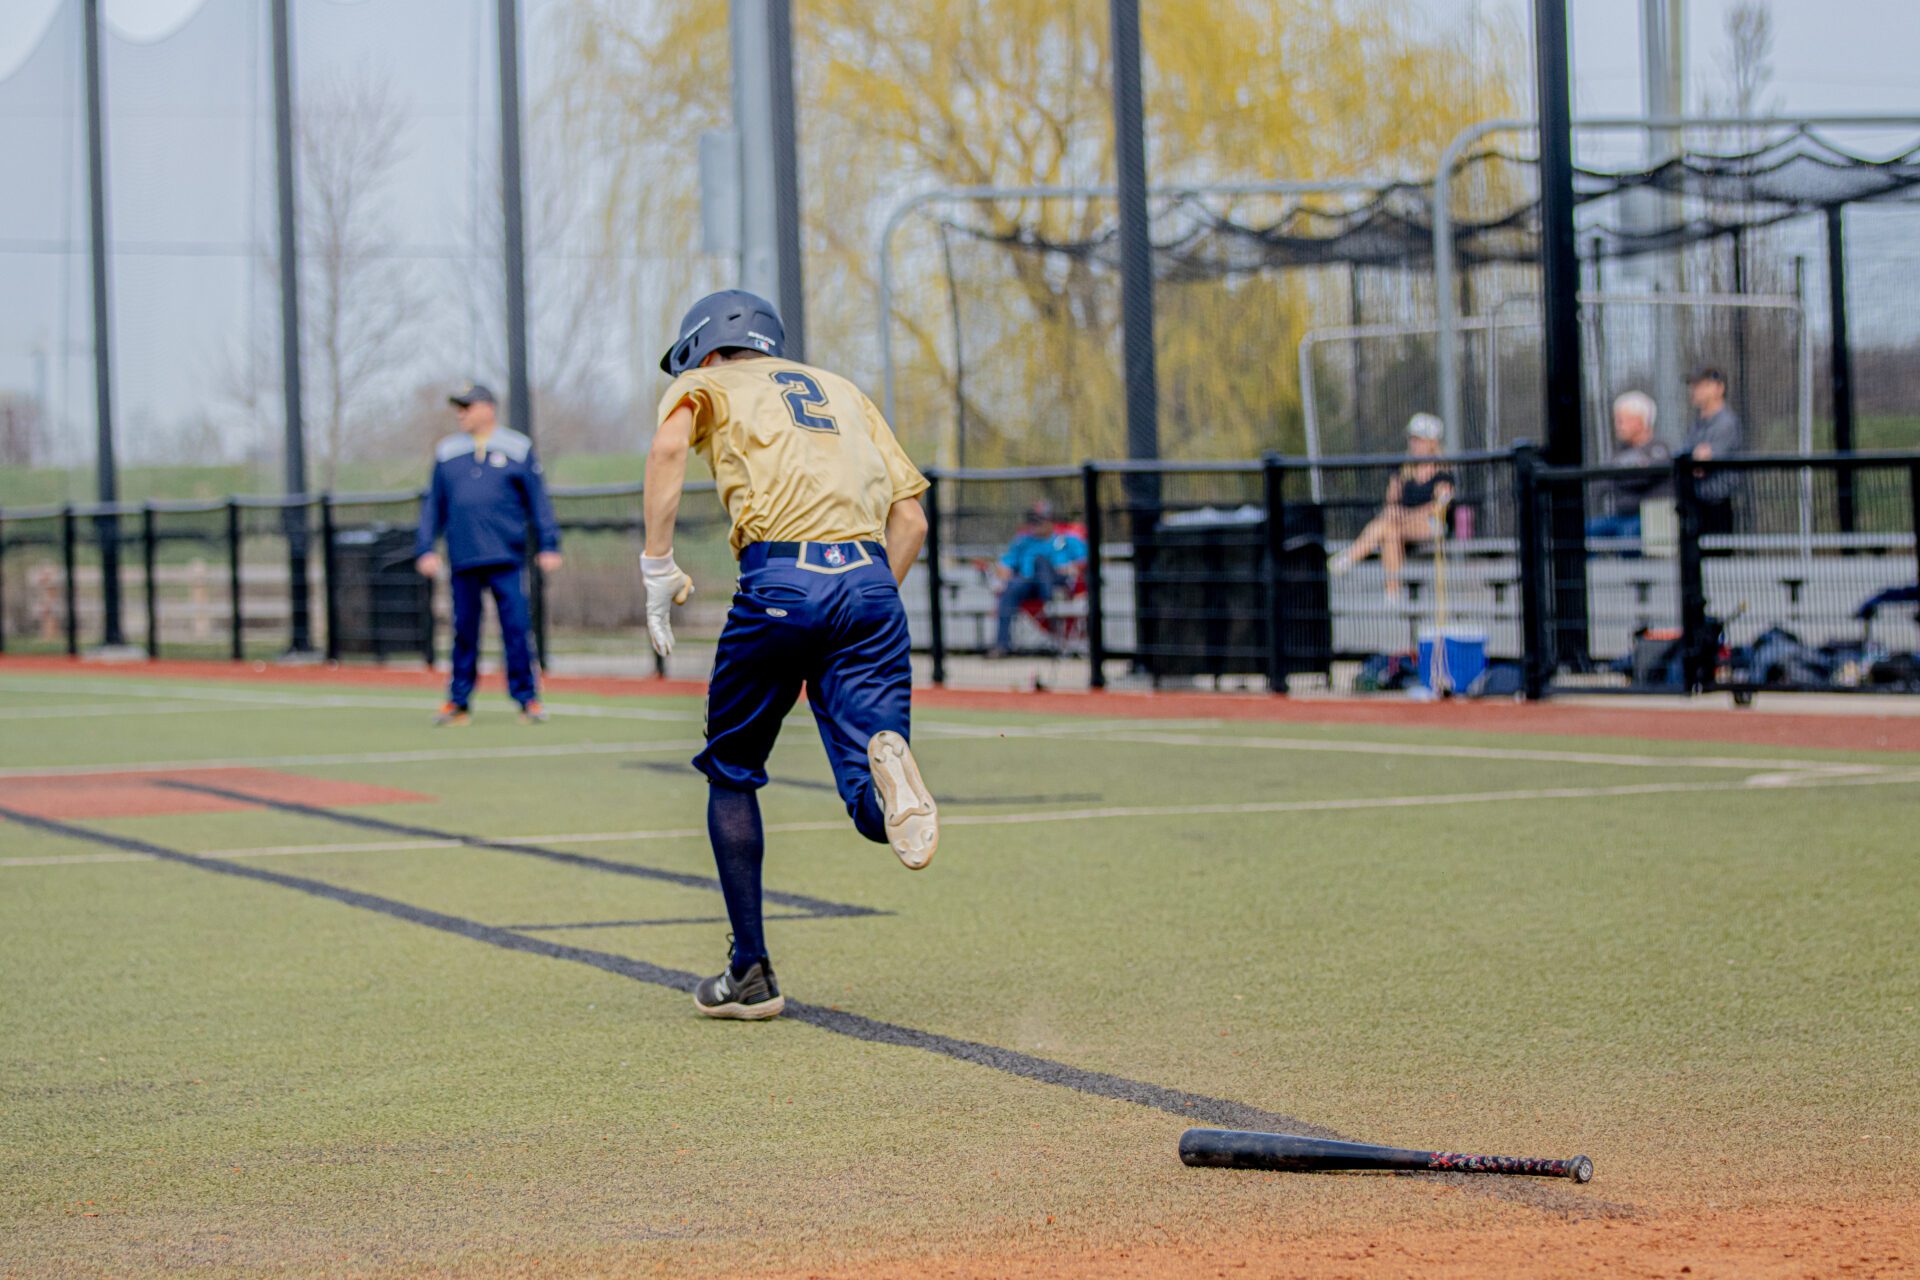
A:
x,y
894,98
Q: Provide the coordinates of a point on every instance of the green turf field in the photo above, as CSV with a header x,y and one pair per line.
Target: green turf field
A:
x,y
42,486
394,1052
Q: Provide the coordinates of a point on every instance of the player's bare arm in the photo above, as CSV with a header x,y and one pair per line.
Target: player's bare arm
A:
x,y
906,534
666,477
667,585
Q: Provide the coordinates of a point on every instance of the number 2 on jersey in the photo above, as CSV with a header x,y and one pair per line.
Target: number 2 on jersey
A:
x,y
803,395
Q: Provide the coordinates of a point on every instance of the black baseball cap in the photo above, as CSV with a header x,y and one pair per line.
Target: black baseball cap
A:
x,y
1706,373
472,393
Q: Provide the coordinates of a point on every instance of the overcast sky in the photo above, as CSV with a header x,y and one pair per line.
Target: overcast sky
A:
x,y
1829,55
1853,55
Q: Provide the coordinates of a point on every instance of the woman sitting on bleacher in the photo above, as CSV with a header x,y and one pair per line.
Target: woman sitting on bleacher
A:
x,y
1417,498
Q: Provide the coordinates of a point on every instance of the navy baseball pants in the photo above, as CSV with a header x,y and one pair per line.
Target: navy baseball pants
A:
x,y
826,616
470,587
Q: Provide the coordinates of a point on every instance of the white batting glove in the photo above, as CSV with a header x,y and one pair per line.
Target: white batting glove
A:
x,y
667,586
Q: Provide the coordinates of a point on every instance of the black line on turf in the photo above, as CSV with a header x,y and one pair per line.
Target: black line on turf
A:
x,y
810,784
1192,1107
817,906
634,924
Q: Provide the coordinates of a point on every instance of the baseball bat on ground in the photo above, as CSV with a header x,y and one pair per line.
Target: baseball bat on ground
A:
x,y
1237,1149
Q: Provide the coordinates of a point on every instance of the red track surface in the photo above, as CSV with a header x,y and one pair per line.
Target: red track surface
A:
x,y
1862,731
145,795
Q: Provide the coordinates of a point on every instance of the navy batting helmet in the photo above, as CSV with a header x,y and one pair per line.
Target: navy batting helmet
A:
x,y
720,321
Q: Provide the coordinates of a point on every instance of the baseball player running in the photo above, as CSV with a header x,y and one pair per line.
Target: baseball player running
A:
x,y
826,519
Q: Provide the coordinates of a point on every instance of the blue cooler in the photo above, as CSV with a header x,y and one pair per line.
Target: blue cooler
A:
x,y
1466,657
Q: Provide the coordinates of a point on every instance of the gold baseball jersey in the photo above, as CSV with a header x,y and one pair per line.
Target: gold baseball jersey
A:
x,y
799,454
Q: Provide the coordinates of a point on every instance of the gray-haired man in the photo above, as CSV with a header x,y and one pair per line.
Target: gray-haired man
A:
x,y
1633,418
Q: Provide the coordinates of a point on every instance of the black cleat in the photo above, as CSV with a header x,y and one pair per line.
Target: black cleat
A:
x,y
750,997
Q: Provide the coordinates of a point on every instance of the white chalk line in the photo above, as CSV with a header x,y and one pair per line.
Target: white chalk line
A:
x,y
272,699
220,700
1106,813
529,751
78,712
269,699
1335,745
286,851
1109,730
1361,746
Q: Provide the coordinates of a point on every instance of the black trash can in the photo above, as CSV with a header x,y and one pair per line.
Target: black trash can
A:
x,y
1202,604
381,604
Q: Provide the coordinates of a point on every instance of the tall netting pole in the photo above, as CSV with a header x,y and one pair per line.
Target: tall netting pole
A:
x,y
106,476
760,33
786,175
1560,311
513,225
513,219
295,450
1136,254
1841,358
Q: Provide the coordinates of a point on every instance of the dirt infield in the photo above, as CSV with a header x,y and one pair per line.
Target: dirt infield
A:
x,y
1769,1244
1863,731
1795,1242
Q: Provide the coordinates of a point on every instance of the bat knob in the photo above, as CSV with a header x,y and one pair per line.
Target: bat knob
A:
x,y
1580,1169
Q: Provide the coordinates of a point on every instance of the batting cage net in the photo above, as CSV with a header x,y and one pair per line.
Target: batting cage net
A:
x,y
1306,323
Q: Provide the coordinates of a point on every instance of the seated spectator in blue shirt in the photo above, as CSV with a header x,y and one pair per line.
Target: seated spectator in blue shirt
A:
x,y
487,491
1619,515
1042,557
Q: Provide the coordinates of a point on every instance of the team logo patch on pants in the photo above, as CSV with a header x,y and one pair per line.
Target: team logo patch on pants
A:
x,y
833,557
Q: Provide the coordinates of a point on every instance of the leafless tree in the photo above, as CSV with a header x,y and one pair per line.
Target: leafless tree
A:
x,y
22,420
575,294
1748,60
358,303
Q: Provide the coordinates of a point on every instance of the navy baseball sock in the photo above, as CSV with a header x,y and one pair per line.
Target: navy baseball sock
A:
x,y
868,819
739,845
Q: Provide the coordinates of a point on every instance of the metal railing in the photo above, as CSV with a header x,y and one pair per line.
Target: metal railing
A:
x,y
1765,571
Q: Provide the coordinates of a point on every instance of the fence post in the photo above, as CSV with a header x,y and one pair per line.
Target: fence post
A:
x,y
1096,575
68,556
640,524
1536,639
329,601
538,580
3,585
1913,518
235,643
1698,648
936,602
295,527
148,540
1273,482
426,627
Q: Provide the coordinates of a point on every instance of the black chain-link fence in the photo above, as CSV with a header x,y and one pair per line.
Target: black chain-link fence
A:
x,y
1776,571
1757,573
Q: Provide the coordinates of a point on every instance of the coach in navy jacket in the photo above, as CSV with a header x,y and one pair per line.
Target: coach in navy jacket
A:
x,y
487,490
